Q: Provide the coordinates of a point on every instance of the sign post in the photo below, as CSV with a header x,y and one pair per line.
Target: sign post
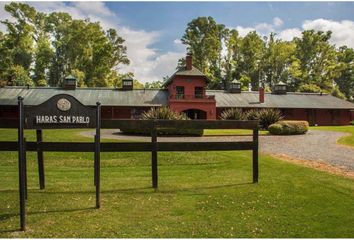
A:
x,y
59,112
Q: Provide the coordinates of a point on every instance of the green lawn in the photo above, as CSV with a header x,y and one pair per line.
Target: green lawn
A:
x,y
349,140
202,194
221,132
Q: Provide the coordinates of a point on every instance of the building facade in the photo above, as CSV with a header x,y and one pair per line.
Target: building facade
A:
x,y
185,91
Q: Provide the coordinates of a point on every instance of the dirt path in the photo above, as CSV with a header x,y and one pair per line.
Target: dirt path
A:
x,y
318,146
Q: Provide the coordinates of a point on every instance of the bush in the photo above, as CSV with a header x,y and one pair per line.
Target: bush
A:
x,y
265,117
289,127
252,114
232,114
163,113
269,116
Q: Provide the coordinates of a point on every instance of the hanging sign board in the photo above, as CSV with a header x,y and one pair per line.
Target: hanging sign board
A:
x,y
60,111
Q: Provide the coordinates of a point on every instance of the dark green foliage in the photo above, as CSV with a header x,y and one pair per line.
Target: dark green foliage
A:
x,y
47,47
252,114
163,113
265,116
309,63
232,114
269,116
289,127
168,114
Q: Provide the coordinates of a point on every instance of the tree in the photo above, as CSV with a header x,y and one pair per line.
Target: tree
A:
x,y
317,59
345,80
232,60
252,51
203,37
154,85
48,47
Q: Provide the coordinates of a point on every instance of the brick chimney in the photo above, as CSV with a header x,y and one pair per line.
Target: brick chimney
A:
x,y
261,94
189,62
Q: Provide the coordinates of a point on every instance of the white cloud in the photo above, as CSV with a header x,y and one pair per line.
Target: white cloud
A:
x,y
261,28
277,22
289,34
242,31
147,63
342,31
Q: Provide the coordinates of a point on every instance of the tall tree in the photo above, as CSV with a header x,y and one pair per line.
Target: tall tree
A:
x,y
345,78
317,59
252,51
203,38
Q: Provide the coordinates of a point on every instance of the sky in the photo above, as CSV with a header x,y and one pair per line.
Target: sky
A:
x,y
153,30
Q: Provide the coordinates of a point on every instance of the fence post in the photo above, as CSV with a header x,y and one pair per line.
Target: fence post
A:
x,y
98,155
255,155
154,155
25,167
21,167
40,159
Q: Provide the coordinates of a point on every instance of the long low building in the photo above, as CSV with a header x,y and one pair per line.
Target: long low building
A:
x,y
185,91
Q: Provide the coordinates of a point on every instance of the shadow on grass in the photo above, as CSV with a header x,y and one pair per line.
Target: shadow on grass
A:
x,y
131,190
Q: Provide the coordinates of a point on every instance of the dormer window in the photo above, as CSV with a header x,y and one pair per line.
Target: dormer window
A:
x,y
235,86
70,82
127,84
279,88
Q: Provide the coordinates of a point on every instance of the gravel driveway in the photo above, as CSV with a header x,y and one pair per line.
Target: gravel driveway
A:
x,y
313,146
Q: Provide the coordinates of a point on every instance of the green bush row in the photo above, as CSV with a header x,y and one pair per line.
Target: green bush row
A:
x,y
163,113
265,116
289,127
166,131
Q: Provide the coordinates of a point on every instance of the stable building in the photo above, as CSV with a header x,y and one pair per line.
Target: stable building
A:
x,y
185,91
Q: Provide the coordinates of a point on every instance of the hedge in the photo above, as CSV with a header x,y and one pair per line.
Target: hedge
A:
x,y
163,132
289,127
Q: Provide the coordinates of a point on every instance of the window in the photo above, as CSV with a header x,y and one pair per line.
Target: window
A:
x,y
198,92
179,92
127,83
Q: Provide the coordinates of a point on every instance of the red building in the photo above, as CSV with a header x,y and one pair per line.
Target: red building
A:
x,y
185,91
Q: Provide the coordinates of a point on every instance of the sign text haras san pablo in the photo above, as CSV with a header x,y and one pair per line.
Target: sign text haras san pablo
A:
x,y
60,111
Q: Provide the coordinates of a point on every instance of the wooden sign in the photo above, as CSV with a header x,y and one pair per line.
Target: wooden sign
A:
x,y
60,111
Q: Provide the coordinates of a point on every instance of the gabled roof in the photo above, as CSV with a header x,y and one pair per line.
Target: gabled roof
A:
x,y
159,97
184,72
87,96
289,100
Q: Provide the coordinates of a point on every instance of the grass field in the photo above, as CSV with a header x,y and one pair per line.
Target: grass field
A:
x,y
349,140
201,194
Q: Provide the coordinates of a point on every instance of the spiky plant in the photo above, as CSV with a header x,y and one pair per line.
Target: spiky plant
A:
x,y
163,113
252,114
269,116
232,114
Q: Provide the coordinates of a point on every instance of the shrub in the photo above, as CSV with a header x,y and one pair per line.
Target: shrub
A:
x,y
265,117
163,113
289,127
232,114
252,114
269,116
